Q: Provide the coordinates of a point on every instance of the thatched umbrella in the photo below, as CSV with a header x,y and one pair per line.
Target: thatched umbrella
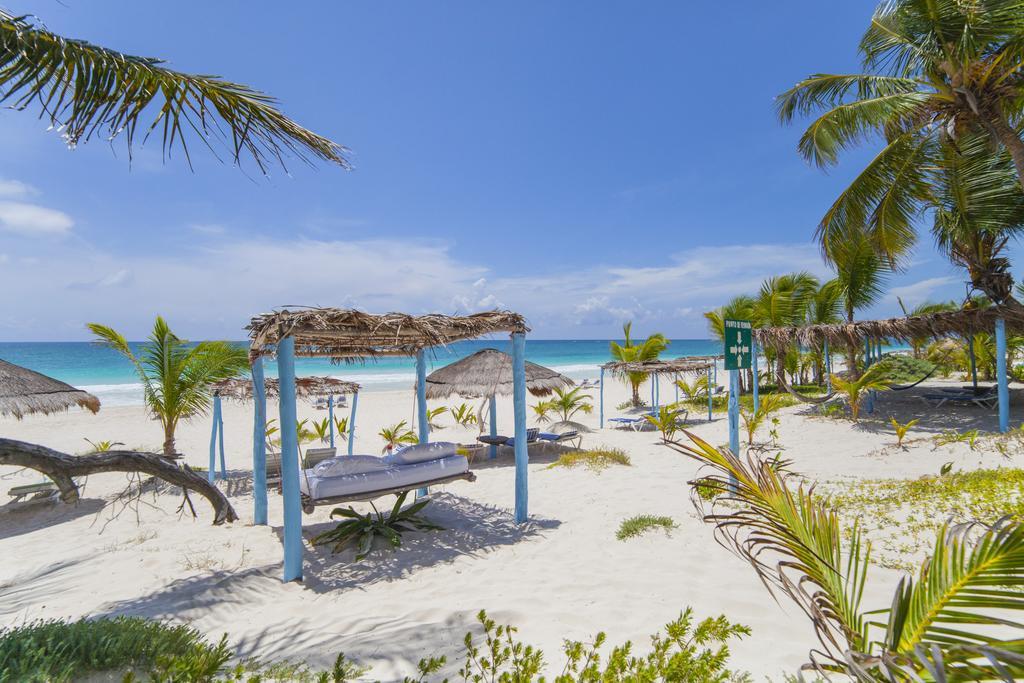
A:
x,y
24,391
487,373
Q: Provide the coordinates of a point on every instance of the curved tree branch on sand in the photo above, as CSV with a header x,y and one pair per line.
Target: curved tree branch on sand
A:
x,y
62,468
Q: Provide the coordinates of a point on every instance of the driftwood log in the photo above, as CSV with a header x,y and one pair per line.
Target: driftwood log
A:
x,y
62,468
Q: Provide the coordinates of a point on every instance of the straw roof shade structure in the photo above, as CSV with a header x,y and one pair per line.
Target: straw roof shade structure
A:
x,y
674,366
965,322
348,334
24,391
488,372
305,388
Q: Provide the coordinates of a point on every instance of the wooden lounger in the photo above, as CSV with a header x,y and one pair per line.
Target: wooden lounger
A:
x,y
309,504
43,489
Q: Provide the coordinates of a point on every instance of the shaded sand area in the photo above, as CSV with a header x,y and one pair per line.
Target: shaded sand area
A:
x,y
562,575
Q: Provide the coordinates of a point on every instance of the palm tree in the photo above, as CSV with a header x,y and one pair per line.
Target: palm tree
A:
x,y
873,379
823,309
566,403
397,435
783,301
85,90
176,376
650,349
738,308
938,626
935,70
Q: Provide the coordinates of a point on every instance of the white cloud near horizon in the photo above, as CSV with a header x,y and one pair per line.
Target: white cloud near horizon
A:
x,y
31,220
15,188
212,291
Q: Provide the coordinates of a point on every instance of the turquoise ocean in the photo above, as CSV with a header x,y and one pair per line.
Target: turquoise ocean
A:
x,y
106,374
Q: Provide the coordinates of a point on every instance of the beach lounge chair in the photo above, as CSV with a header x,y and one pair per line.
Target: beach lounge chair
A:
x,y
987,399
564,437
353,478
634,423
532,435
43,489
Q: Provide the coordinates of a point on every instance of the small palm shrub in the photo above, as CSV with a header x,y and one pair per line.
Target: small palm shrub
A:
x,y
432,418
666,421
542,411
753,419
397,435
901,430
341,424
363,530
567,403
463,415
969,437
854,390
595,459
102,446
321,430
694,390
642,524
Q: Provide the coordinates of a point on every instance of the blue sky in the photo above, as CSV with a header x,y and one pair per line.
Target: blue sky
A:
x,y
582,163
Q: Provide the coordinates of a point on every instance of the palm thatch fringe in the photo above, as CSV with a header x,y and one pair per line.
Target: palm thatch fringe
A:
x,y
305,387
488,372
965,322
24,391
673,366
348,334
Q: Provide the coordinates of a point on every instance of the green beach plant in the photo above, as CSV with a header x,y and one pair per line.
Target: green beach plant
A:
x,y
694,390
432,418
176,376
341,426
397,435
363,530
854,389
901,430
321,429
666,421
642,524
754,419
567,403
102,446
938,624
629,351
542,411
595,459
463,415
113,92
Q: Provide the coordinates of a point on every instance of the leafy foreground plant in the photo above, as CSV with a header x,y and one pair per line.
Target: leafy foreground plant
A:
x,y
854,390
59,651
666,421
641,524
937,628
596,459
365,529
901,429
753,419
397,435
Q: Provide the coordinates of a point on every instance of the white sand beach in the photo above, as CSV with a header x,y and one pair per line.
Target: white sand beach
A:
x,y
562,575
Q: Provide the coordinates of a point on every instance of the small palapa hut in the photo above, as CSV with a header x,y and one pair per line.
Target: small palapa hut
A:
x,y
24,391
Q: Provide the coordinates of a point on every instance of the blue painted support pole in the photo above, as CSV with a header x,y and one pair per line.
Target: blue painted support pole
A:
x,y
710,396
974,365
330,416
422,424
715,365
601,409
494,426
352,423
289,461
828,363
519,409
259,444
220,439
734,417
1004,389
675,381
211,473
657,392
651,378
757,380
867,354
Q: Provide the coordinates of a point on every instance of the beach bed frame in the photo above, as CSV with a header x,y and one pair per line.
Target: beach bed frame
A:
x,y
310,504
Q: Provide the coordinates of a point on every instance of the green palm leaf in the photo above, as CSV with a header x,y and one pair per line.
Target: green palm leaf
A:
x,y
85,90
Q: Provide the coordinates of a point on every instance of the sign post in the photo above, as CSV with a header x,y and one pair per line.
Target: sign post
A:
x,y
738,353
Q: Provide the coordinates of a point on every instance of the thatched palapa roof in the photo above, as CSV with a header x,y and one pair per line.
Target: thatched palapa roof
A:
x,y
348,334
936,325
673,366
24,391
488,372
305,387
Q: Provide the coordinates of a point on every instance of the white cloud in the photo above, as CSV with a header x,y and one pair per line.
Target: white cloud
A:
x,y
208,228
917,293
118,278
15,188
32,220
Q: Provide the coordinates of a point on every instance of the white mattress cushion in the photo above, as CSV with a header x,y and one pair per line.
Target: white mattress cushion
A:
x,y
349,464
422,452
395,476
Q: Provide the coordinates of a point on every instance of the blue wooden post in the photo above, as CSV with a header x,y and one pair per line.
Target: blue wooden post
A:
x,y
867,354
601,409
757,380
657,392
828,363
675,381
974,366
330,416
710,394
519,409
289,461
259,444
734,417
421,404
1004,389
352,422
211,473
220,439
650,378
493,450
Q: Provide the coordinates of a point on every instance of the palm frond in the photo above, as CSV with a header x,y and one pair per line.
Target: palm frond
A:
x,y
85,90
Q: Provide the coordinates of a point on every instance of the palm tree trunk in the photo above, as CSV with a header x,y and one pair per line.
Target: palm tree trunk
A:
x,y
169,439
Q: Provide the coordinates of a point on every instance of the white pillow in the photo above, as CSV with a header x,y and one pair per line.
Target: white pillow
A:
x,y
422,452
349,464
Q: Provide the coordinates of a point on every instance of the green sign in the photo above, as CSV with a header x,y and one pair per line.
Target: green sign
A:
x,y
738,344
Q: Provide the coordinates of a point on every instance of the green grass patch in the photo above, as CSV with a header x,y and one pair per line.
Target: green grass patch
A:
x,y
641,524
594,459
901,516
